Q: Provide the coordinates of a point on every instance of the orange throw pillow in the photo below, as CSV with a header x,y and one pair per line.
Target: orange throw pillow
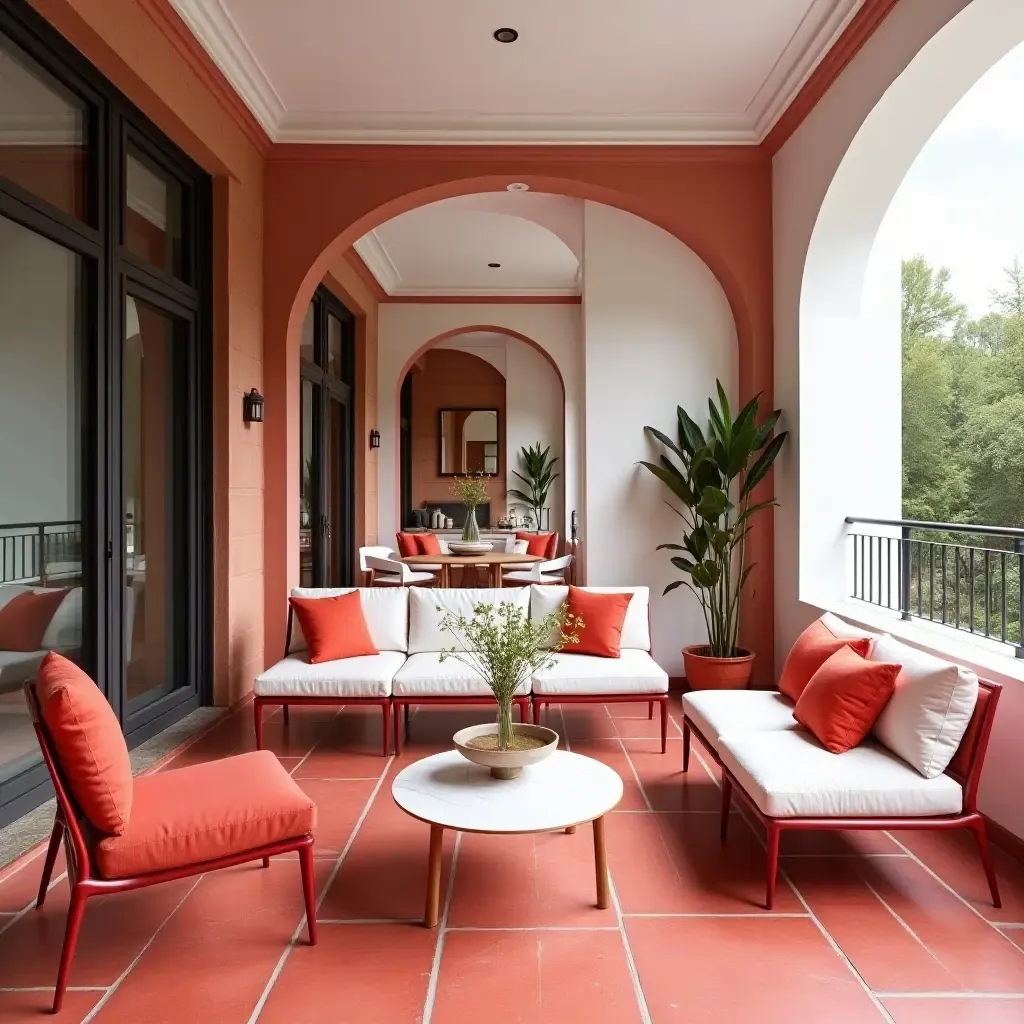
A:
x,y
334,627
87,739
603,616
427,544
844,699
407,544
24,619
538,543
815,645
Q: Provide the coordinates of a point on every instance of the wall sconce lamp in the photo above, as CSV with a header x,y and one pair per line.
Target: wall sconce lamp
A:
x,y
252,407
374,438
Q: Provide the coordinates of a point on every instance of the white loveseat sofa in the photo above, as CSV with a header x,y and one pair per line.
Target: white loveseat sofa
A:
x,y
404,624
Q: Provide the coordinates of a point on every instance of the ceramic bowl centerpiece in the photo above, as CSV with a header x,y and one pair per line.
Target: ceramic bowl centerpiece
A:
x,y
461,547
502,645
471,491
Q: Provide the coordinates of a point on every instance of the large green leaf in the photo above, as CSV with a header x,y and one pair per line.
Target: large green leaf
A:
x,y
675,585
707,574
759,470
690,435
764,432
726,414
719,427
670,547
713,503
669,443
753,510
683,564
672,480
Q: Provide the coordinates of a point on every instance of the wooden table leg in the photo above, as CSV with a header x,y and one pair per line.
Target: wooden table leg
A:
x,y
601,864
495,568
446,575
432,912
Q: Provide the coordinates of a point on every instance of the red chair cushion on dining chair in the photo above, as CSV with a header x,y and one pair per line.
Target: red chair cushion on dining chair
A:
x,y
427,544
407,544
539,543
209,810
87,740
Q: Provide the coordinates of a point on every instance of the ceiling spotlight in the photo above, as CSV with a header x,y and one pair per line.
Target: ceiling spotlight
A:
x,y
506,35
494,266
517,186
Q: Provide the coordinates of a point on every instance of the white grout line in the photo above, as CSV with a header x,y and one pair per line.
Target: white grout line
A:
x,y
442,928
1009,924
534,928
369,920
899,920
842,856
316,743
638,991
31,906
24,864
761,915
113,988
632,768
279,966
951,995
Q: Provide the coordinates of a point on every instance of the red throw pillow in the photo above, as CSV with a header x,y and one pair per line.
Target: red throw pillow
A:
x,y
88,742
334,627
538,543
552,549
427,544
25,618
844,698
603,616
407,544
812,649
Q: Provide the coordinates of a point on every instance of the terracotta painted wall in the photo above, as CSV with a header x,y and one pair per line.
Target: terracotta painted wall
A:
x,y
132,42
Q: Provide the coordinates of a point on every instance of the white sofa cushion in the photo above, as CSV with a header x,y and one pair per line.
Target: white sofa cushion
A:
x,y
844,631
367,676
386,610
636,634
64,631
715,712
928,713
425,633
17,667
425,675
789,774
634,672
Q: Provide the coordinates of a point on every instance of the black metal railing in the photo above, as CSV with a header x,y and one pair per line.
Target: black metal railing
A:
x,y
963,576
33,552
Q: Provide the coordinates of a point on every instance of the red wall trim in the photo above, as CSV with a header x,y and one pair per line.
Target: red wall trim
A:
x,y
861,28
355,261
488,300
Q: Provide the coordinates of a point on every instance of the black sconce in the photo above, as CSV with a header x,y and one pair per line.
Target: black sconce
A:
x,y
252,407
374,438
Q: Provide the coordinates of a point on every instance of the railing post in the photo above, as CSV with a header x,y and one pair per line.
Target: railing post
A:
x,y
905,573
1018,547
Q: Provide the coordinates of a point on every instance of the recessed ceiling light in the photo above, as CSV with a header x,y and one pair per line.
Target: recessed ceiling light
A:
x,y
518,186
494,265
506,35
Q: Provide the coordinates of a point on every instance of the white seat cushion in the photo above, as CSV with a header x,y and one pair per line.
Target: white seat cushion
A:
x,y
715,712
789,774
545,600
525,576
412,577
928,713
633,672
425,675
425,633
366,676
385,609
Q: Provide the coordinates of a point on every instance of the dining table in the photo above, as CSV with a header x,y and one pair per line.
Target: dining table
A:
x,y
494,560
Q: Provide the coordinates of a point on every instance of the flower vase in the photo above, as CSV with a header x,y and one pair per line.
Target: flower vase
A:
x,y
470,531
506,734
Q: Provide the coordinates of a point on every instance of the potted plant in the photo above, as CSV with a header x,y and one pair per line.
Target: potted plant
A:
x,y
471,491
714,479
504,646
539,476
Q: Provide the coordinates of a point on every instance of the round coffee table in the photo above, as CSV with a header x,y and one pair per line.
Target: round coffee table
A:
x,y
561,792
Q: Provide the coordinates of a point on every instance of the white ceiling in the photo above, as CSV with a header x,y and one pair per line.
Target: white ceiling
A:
x,y
444,248
655,71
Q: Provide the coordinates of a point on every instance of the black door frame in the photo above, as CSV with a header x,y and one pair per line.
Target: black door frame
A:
x,y
109,272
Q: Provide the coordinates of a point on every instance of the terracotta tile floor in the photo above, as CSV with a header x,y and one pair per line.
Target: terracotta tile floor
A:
x,y
866,927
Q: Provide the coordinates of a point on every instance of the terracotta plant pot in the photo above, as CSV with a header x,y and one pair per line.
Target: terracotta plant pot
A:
x,y
705,672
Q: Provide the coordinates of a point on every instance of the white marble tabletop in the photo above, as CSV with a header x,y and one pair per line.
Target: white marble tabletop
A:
x,y
562,790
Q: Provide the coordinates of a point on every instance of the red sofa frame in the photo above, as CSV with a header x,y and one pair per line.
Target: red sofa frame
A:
x,y
85,881
965,768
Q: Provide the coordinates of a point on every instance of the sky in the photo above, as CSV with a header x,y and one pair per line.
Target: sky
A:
x,y
962,204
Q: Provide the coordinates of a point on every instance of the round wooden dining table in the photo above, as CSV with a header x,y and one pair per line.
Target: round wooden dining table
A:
x,y
494,560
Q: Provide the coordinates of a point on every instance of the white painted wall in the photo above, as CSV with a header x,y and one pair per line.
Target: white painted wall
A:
x,y
658,331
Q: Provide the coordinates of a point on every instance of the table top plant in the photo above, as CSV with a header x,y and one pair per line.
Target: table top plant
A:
x,y
472,491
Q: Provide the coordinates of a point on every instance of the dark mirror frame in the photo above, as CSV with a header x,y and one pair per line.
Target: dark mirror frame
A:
x,y
441,471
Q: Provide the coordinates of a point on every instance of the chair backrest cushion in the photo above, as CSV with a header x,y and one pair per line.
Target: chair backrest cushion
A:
x,y
542,544
377,551
427,544
813,647
334,627
843,630
636,633
425,633
386,610
407,544
88,743
929,712
25,619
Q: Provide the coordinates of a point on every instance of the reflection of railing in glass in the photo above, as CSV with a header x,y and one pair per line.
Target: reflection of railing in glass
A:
x,y
39,552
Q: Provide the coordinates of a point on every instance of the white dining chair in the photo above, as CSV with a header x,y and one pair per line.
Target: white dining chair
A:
x,y
541,572
373,551
390,572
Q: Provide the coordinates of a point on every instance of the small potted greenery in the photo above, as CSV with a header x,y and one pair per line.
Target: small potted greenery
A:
x,y
713,477
539,476
471,491
505,647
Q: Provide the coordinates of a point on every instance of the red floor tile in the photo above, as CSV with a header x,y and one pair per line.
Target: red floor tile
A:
x,y
543,977
19,887
663,781
338,806
935,944
579,722
609,751
1015,935
839,844
527,881
675,863
733,970
32,1007
955,1011
359,974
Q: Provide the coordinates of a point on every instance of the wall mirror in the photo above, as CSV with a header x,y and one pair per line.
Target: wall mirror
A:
x,y
468,442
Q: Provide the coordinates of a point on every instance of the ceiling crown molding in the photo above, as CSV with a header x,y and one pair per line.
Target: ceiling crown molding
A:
x,y
372,252
211,24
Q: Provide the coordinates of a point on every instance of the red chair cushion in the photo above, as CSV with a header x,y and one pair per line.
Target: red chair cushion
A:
x,y
206,811
407,544
88,743
427,544
844,698
812,649
24,619
539,543
334,627
603,616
